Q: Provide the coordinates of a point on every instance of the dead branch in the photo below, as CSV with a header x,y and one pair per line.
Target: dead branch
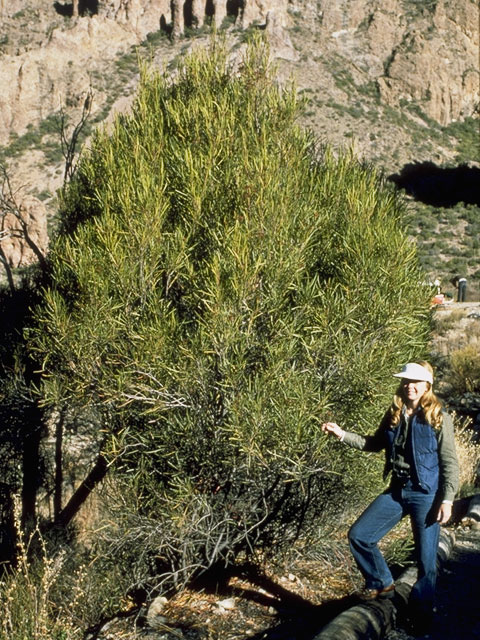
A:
x,y
10,205
69,142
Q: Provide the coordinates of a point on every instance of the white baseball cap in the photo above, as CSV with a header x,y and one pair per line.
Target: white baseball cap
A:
x,y
414,371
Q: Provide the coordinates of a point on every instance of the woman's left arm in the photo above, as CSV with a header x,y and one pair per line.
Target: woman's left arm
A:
x,y
449,470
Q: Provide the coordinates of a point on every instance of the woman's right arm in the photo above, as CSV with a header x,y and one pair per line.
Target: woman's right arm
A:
x,y
333,429
352,439
375,442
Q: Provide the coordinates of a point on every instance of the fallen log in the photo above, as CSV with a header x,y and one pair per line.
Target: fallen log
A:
x,y
472,517
373,620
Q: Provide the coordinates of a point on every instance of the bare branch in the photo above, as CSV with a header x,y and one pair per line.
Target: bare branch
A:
x,y
10,205
8,269
69,142
154,393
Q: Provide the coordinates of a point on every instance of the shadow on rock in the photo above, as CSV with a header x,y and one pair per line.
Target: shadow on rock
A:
x,y
437,186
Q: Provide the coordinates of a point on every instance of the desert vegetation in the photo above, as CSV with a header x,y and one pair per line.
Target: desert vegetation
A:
x,y
456,346
218,283
447,240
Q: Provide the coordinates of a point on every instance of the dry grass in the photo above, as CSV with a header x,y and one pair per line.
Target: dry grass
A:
x,y
446,321
465,368
454,329
457,339
27,591
54,592
468,452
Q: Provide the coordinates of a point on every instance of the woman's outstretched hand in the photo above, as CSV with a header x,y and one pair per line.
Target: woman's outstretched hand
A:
x,y
334,429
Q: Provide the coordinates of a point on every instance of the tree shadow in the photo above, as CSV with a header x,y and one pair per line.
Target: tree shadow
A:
x,y
233,11
437,186
295,616
165,27
21,419
235,7
303,622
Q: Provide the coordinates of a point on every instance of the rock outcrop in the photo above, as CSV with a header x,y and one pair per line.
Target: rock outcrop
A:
x,y
424,52
37,82
427,54
437,68
411,52
69,43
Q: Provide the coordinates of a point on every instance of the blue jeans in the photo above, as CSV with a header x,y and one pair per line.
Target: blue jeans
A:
x,y
378,519
462,290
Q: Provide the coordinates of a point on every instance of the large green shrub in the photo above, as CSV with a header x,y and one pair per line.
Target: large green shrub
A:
x,y
220,285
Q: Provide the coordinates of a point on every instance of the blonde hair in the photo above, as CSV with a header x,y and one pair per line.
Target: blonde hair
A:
x,y
431,405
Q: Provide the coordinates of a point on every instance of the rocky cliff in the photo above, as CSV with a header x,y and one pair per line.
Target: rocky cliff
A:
x,y
426,52
54,67
366,64
52,54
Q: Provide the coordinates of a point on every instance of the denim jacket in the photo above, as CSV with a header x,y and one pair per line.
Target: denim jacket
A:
x,y
434,457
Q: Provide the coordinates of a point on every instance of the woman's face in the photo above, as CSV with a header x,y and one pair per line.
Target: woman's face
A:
x,y
413,391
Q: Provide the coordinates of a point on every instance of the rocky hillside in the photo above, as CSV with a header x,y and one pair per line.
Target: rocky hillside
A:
x,y
398,79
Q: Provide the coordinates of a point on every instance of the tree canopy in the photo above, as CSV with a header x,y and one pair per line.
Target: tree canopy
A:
x,y
220,284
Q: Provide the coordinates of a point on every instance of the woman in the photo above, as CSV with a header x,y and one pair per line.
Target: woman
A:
x,y
418,439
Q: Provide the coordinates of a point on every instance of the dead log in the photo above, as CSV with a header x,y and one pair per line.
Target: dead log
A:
x,y
372,620
365,621
445,546
472,517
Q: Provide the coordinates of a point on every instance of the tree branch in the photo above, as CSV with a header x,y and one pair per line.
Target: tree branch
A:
x,y
69,142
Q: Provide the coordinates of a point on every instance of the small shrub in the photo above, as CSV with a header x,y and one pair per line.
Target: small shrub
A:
x,y
26,595
441,244
398,546
466,133
156,38
444,323
44,195
56,594
465,369
468,453
228,21
427,224
455,264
